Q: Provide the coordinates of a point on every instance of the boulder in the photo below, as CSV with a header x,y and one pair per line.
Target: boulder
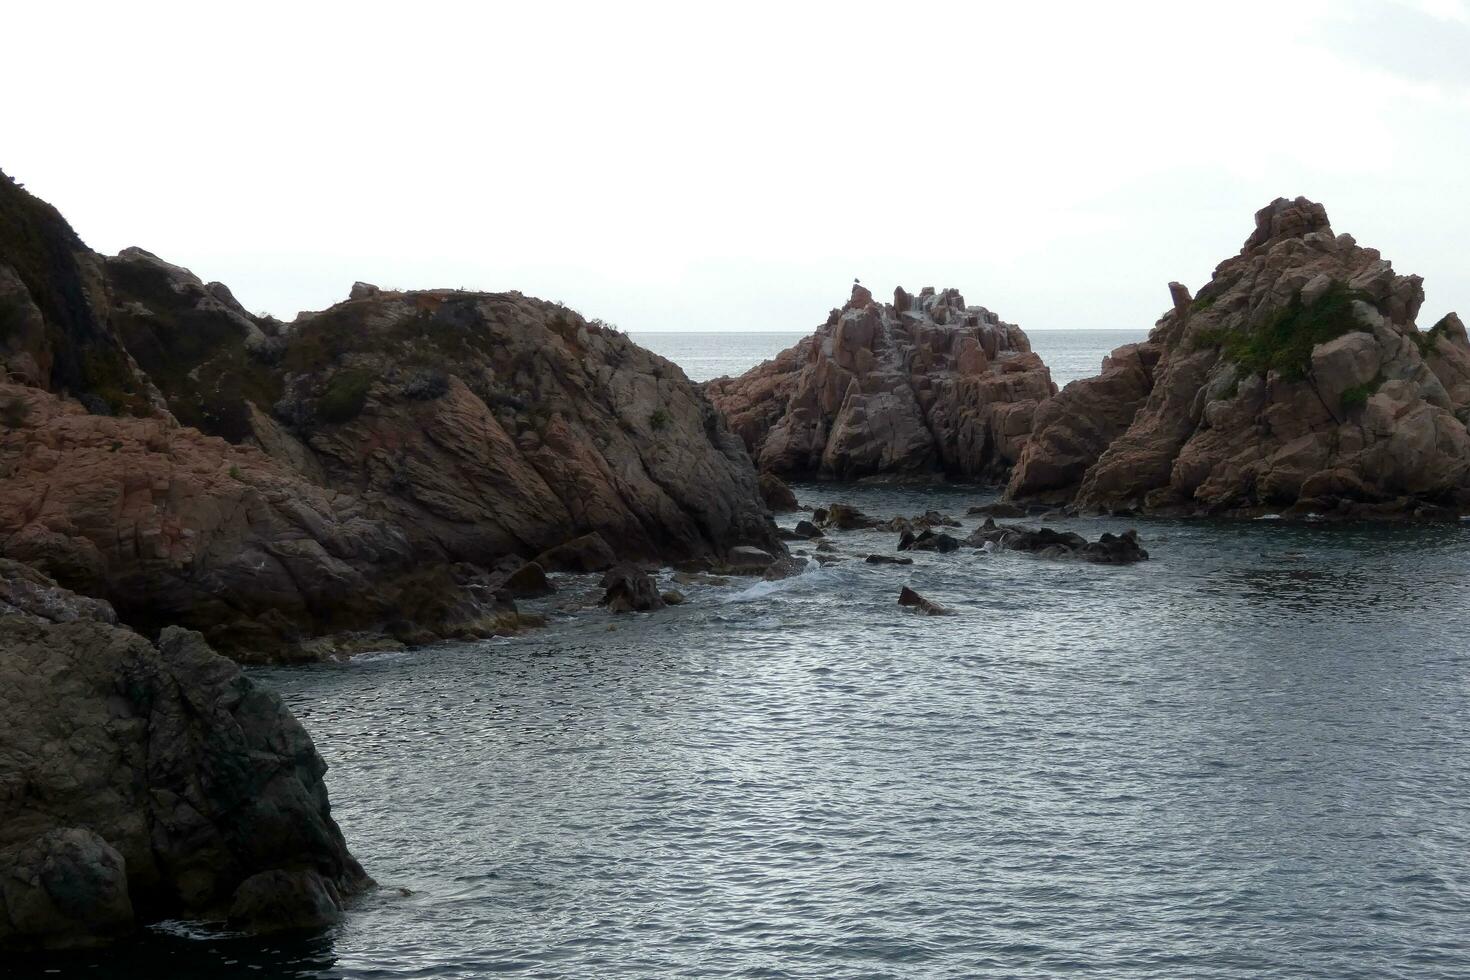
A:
x,y
785,568
777,495
745,560
844,517
806,530
629,588
908,598
528,582
188,777
588,553
926,385
1109,549
888,560
284,901
66,888
928,540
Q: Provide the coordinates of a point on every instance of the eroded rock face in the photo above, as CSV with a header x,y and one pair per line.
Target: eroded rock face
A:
x,y
139,783
1297,377
922,386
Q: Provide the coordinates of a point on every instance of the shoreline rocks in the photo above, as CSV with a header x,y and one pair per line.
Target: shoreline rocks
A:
x,y
147,783
917,388
1108,549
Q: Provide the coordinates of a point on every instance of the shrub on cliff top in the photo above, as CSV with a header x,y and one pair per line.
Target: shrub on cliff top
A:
x,y
1283,341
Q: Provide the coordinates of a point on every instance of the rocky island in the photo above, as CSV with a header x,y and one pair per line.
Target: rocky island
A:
x,y
1297,379
923,387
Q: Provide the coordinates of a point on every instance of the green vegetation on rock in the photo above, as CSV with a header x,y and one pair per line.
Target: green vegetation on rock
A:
x,y
1283,341
345,395
1358,395
1425,341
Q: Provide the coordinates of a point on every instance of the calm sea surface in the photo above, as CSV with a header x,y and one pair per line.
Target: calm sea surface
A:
x,y
1071,354
1243,758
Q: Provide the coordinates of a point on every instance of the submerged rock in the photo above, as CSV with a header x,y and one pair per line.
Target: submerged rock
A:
x,y
783,568
909,598
921,386
928,541
630,589
1109,549
844,517
888,560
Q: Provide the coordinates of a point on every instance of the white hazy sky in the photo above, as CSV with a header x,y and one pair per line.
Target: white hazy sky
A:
x,y
691,166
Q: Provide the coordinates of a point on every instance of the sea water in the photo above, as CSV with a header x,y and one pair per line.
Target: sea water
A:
x,y
1245,757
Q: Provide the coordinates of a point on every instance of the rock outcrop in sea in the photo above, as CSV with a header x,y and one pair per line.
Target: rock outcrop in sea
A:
x,y
1297,379
361,468
923,386
142,782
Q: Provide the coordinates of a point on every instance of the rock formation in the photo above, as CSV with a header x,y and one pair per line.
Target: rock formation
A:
x,y
165,450
139,783
1297,378
1108,549
923,386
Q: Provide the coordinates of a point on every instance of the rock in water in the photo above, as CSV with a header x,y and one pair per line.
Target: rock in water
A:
x,y
887,560
911,599
188,777
1109,549
588,553
630,589
64,889
748,561
528,582
1296,378
282,901
785,568
777,495
921,386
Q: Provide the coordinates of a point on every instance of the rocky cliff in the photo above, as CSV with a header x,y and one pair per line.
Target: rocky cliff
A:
x,y
141,782
923,386
1296,378
363,467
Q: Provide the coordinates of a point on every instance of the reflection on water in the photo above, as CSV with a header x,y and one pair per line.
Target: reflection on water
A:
x,y
1242,758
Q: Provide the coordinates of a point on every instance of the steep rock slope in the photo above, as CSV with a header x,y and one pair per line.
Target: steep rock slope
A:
x,y
479,424
1298,376
922,386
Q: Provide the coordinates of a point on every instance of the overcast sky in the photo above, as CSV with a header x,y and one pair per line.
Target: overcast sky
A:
x,y
692,166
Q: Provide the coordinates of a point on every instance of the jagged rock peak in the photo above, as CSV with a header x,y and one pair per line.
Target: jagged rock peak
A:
x,y
1286,218
1297,377
924,386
